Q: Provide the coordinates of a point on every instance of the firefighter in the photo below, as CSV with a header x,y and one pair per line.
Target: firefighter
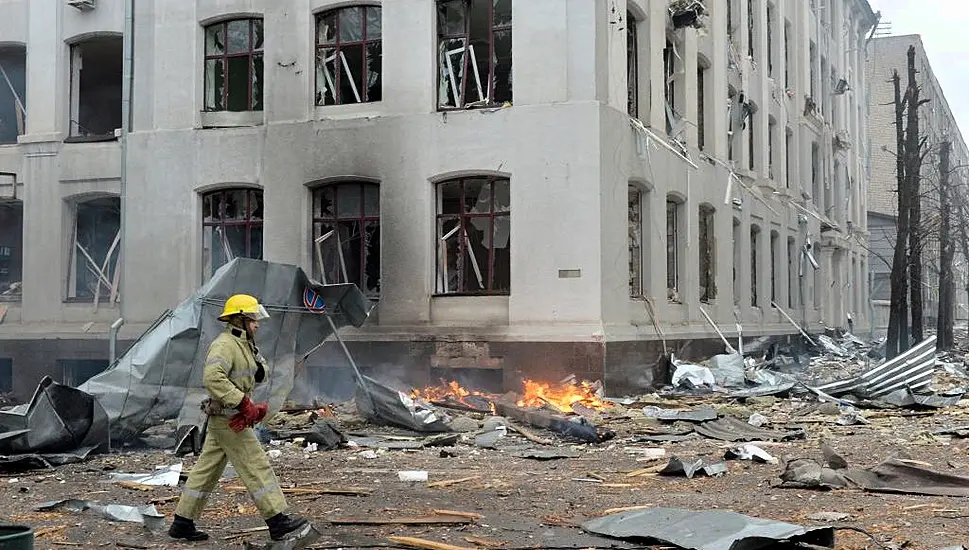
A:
x,y
232,369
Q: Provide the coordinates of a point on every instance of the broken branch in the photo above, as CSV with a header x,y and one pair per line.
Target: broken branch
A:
x,y
449,482
425,544
307,491
469,515
529,435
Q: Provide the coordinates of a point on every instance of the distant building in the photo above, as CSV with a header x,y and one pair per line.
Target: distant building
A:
x,y
887,54
511,179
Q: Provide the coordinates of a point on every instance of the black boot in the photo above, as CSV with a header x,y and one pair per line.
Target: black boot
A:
x,y
184,528
283,527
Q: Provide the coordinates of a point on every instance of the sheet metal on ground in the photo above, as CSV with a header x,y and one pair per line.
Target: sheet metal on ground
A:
x,y
160,376
60,424
912,369
705,530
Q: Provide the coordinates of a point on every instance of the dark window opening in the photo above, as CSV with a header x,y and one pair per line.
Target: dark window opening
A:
x,y
775,251
701,108
11,250
234,66
96,87
816,173
94,250
474,53
708,253
346,235
732,105
232,223
669,79
791,273
78,371
754,264
770,41
6,376
635,213
788,157
474,236
787,55
751,159
730,23
751,30
672,250
771,135
632,66
736,261
13,87
348,56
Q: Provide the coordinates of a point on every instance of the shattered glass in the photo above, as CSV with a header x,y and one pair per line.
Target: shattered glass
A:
x,y
257,68
215,85
351,24
374,89
238,83
215,40
635,212
475,53
452,17
351,59
326,76
98,222
238,33
326,28
448,256
502,13
373,23
257,34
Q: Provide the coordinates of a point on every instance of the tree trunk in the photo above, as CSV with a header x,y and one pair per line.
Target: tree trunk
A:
x,y
898,313
945,326
913,169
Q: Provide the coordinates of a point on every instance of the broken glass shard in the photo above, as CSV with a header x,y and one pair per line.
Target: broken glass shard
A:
x,y
326,29
351,24
373,23
215,40
238,32
214,85
257,68
502,71
502,13
257,34
452,17
374,57
371,258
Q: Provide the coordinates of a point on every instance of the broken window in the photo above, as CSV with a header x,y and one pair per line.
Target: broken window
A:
x,y
813,74
13,85
791,273
788,156
818,278
474,53
75,372
730,22
816,172
708,254
635,213
6,375
669,76
732,107
11,250
232,223
751,30
754,264
673,247
736,261
234,65
787,54
751,159
474,236
770,40
775,251
771,136
701,107
632,66
348,56
96,87
346,235
94,250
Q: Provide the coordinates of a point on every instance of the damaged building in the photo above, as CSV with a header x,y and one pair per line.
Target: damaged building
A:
x,y
937,125
527,189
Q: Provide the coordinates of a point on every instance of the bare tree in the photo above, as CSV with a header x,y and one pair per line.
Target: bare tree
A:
x,y
946,315
897,341
914,143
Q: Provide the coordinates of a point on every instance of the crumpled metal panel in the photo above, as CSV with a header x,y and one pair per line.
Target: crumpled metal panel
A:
x,y
160,376
705,530
912,369
730,428
57,419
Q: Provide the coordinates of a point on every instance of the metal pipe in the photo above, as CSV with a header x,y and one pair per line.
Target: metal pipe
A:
x,y
126,92
113,339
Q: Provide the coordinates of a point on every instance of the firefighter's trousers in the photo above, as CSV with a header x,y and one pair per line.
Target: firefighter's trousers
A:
x,y
243,450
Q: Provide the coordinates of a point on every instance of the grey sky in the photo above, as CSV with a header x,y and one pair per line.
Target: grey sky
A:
x,y
943,26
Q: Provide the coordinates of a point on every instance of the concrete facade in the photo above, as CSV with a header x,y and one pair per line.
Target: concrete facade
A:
x,y
888,54
603,212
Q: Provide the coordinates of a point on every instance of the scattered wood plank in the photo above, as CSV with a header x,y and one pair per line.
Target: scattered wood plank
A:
x,y
529,435
351,491
483,542
642,472
130,545
413,542
610,511
421,520
455,513
135,486
65,543
450,482
48,530
164,500
245,533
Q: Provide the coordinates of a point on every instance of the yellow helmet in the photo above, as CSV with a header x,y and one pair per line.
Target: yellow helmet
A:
x,y
243,304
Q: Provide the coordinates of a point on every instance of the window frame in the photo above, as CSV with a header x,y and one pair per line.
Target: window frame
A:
x,y
251,54
635,203
338,45
632,65
465,218
318,219
443,35
249,223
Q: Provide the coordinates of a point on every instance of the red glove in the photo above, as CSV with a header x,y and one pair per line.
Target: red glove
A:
x,y
249,414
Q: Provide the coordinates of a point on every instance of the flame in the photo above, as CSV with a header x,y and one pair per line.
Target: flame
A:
x,y
452,391
561,396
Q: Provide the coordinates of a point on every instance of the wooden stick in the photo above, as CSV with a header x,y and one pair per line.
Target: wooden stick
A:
x,y
135,486
529,435
487,543
624,509
413,542
48,530
308,491
449,482
246,533
469,515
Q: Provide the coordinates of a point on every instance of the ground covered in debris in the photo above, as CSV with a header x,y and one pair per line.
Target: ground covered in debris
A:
x,y
508,498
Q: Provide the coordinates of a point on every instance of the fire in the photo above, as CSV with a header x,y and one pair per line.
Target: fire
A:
x,y
454,392
561,396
